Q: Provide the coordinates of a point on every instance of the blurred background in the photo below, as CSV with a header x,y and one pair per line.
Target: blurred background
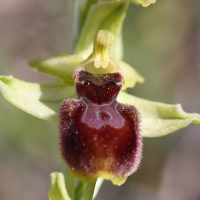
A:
x,y
162,42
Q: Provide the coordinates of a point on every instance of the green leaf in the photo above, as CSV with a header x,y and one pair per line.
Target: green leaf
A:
x,y
39,100
58,190
102,17
62,66
131,76
159,119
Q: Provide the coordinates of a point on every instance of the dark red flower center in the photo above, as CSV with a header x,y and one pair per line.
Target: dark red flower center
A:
x,y
97,134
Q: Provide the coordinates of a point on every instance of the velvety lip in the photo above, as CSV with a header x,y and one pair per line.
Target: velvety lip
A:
x,y
98,135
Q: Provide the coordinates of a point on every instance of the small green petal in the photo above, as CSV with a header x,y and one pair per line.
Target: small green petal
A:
x,y
62,66
131,76
159,119
39,100
102,17
58,190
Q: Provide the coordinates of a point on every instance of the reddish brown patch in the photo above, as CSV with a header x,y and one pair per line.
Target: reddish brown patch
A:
x,y
96,132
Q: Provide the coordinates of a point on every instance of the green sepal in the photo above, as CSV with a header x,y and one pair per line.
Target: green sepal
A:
x,y
44,100
62,66
102,17
40,100
158,119
58,190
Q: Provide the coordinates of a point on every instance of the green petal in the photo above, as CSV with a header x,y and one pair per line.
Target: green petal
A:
x,y
62,66
39,100
102,17
58,190
159,119
131,76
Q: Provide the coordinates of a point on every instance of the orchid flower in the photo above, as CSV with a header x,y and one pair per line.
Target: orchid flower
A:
x,y
72,102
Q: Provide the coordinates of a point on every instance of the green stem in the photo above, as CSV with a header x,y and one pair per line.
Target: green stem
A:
x,y
69,180
85,11
80,188
80,14
89,191
76,21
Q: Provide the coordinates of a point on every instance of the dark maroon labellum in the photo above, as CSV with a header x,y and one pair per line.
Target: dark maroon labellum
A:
x,y
99,137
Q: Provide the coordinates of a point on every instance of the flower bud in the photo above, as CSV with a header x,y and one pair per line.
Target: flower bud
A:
x,y
100,137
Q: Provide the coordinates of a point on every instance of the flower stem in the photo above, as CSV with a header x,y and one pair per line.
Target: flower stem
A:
x,y
69,180
80,15
81,11
80,188
85,10
76,21
89,191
